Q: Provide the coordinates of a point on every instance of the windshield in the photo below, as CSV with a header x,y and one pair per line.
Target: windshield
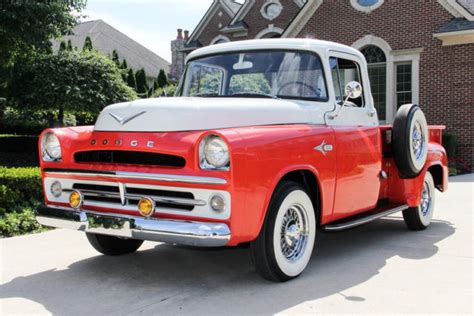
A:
x,y
265,74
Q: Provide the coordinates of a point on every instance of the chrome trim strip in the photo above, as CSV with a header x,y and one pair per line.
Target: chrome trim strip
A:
x,y
364,220
156,198
200,234
140,176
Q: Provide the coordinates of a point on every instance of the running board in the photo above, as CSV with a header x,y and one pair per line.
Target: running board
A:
x,y
363,218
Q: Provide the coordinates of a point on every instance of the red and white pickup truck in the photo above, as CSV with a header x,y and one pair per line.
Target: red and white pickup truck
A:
x,y
266,142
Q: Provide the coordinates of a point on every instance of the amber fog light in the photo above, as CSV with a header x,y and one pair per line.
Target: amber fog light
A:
x,y
217,203
146,207
75,199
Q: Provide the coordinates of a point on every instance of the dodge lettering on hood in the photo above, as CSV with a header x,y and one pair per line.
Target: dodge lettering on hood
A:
x,y
265,143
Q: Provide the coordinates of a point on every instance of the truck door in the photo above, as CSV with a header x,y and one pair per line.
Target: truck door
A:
x,y
357,139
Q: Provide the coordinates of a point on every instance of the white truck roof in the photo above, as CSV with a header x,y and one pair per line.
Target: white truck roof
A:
x,y
281,43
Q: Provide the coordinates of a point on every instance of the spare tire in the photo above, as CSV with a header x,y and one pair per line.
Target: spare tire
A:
x,y
410,140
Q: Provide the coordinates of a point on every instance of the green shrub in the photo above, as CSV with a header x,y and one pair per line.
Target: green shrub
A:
x,y
23,121
449,143
19,188
453,171
20,194
13,224
167,91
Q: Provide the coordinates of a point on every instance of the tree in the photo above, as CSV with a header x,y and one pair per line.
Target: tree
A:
x,y
27,26
69,46
87,44
115,58
142,86
251,83
124,68
167,91
71,81
162,80
62,47
131,82
124,64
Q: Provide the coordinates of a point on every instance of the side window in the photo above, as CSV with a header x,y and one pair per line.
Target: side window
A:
x,y
205,80
344,71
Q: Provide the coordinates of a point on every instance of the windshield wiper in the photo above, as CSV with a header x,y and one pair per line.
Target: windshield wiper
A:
x,y
253,95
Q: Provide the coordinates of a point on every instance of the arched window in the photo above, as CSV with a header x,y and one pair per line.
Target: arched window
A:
x,y
219,40
271,35
377,67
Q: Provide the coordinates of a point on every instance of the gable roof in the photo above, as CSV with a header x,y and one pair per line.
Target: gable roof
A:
x,y
458,8
230,7
245,8
468,5
106,38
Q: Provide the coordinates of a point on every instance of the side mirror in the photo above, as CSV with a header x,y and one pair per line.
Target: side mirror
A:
x,y
353,90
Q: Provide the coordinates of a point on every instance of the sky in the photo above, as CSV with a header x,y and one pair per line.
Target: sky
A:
x,y
152,23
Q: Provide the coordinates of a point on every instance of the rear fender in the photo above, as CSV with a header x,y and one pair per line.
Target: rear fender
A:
x,y
408,191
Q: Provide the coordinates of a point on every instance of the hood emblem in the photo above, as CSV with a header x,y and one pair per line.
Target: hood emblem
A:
x,y
126,119
324,148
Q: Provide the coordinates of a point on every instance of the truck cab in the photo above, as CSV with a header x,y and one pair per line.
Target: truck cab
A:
x,y
266,142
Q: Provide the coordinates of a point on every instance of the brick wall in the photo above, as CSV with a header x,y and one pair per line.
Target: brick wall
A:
x,y
446,73
212,29
257,22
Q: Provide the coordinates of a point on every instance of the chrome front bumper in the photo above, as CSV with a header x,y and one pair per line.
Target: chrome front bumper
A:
x,y
200,234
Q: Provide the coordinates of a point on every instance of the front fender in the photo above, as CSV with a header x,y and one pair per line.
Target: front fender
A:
x,y
271,153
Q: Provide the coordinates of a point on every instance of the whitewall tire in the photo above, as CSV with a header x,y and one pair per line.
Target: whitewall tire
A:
x,y
410,139
286,241
419,218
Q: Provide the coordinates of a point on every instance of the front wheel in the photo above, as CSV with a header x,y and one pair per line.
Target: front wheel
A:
x,y
113,246
283,248
419,218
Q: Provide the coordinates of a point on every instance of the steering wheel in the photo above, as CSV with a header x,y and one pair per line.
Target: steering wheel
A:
x,y
350,104
312,89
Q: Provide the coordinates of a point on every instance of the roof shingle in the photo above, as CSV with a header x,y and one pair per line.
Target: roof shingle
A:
x,y
105,39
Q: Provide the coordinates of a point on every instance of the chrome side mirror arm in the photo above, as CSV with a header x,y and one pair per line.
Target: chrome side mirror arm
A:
x,y
353,90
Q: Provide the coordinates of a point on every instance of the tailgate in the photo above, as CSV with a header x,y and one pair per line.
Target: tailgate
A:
x,y
436,132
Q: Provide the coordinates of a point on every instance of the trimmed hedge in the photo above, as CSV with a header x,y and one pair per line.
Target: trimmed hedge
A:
x,y
20,193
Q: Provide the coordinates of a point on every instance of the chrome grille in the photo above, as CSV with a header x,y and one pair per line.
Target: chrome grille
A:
x,y
120,194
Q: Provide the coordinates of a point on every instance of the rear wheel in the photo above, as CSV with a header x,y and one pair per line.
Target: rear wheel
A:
x,y
113,246
419,218
285,243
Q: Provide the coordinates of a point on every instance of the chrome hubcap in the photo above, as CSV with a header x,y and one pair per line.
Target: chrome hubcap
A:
x,y
294,232
425,199
418,141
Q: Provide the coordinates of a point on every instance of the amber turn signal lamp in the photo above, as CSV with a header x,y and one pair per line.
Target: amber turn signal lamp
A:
x,y
75,199
146,206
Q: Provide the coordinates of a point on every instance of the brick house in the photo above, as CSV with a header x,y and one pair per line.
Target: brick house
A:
x,y
418,51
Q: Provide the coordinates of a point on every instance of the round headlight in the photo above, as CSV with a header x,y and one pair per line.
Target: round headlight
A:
x,y
51,148
214,153
56,189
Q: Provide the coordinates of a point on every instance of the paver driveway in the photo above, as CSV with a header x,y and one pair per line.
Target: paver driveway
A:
x,y
380,267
